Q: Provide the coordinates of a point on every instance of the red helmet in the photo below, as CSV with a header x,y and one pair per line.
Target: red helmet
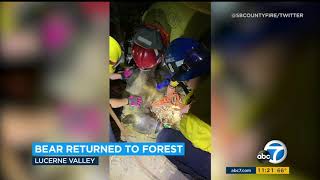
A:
x,y
145,58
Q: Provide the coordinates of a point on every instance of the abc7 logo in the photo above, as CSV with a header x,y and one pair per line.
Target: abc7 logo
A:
x,y
274,152
263,156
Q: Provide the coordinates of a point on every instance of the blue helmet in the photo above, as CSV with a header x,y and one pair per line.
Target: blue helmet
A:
x,y
178,49
187,59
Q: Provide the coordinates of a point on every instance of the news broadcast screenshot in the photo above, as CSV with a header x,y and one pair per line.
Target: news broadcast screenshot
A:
x,y
159,90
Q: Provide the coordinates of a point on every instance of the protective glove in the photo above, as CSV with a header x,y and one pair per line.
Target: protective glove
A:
x,y
135,101
163,84
127,73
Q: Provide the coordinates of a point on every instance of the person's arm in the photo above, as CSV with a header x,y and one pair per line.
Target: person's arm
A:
x,y
115,76
127,73
196,131
135,101
116,103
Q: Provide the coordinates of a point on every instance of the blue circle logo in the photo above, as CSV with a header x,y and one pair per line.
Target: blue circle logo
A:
x,y
277,151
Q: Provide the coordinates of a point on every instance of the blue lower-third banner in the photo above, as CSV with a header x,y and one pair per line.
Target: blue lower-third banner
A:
x,y
107,149
240,170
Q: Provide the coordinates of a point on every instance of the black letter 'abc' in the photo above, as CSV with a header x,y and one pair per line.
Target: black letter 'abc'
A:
x,y
263,156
